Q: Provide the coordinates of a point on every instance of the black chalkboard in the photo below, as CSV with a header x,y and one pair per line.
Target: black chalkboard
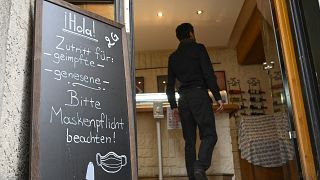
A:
x,y
82,124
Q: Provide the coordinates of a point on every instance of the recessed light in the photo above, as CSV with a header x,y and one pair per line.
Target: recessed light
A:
x,y
199,12
160,14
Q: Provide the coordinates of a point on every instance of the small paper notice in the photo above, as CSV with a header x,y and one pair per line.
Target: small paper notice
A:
x,y
172,122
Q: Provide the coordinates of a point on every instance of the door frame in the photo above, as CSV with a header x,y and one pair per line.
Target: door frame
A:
x,y
123,14
299,111
302,14
123,7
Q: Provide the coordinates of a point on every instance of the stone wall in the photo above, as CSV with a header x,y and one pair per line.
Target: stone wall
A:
x,y
15,87
4,26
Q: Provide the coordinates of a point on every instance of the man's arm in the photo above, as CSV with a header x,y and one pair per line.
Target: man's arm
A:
x,y
170,87
208,73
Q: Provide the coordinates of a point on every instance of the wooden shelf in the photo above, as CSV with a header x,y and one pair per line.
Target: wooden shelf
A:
x,y
277,86
234,91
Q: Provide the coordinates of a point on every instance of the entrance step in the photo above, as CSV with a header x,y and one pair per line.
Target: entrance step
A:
x,y
210,177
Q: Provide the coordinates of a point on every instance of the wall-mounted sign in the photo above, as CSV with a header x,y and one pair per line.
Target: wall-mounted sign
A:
x,y
158,110
173,122
82,124
221,80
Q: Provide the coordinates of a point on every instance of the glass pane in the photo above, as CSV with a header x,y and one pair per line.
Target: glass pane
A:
x,y
103,9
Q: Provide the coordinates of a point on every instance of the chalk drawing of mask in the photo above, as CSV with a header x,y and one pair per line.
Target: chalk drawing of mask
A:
x,y
111,162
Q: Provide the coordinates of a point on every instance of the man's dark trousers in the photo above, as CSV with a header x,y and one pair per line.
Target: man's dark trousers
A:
x,y
195,109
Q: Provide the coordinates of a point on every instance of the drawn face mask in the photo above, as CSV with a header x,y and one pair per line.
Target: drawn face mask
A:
x,y
111,162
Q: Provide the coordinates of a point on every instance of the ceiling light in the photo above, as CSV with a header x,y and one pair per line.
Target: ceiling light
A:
x,y
199,12
160,14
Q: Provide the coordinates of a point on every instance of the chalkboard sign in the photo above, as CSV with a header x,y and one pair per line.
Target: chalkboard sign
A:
x,y
82,124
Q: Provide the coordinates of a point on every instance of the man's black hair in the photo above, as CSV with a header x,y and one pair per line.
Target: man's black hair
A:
x,y
183,31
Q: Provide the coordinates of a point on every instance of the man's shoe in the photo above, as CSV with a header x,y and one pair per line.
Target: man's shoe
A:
x,y
200,174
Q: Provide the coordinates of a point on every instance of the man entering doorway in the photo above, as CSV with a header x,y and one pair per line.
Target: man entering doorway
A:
x,y
191,66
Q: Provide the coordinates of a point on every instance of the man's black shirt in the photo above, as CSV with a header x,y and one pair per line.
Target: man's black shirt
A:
x,y
191,65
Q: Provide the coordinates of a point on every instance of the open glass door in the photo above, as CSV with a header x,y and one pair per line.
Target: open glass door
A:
x,y
254,76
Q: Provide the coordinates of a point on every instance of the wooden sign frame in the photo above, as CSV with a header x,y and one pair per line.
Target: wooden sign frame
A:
x,y
37,61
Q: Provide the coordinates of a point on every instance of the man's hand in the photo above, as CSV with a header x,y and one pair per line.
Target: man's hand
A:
x,y
176,113
220,108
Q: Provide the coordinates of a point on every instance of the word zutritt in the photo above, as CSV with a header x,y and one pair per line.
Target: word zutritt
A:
x,y
71,47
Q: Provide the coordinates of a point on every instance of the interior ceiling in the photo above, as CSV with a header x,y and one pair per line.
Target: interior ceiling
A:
x,y
213,28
